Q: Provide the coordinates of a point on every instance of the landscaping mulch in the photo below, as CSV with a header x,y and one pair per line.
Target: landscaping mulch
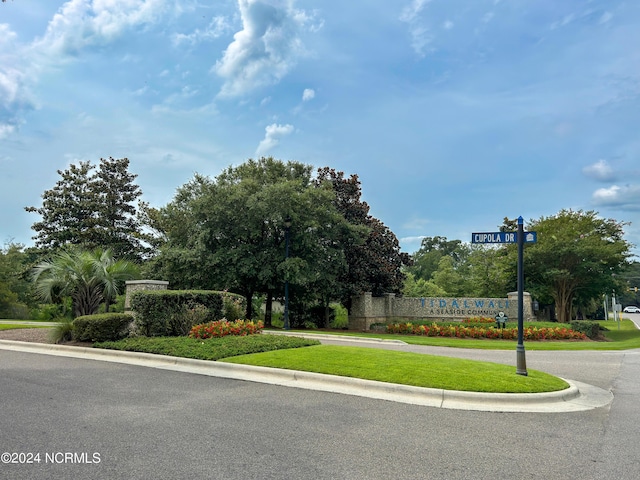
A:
x,y
36,335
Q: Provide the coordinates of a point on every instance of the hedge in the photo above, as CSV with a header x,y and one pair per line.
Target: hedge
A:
x,y
173,312
590,329
103,327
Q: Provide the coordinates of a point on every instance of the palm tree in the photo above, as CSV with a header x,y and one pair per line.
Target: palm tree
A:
x,y
88,277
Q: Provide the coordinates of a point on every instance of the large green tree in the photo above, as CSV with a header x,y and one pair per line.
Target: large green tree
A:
x,y
229,232
89,277
91,209
576,259
375,264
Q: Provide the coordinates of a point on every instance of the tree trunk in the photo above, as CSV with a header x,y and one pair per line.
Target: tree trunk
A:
x,y
268,305
564,299
86,300
248,297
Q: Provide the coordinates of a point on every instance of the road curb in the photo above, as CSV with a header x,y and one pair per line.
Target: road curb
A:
x,y
342,338
578,397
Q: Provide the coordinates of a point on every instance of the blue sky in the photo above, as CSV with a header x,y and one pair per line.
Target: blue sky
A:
x,y
454,114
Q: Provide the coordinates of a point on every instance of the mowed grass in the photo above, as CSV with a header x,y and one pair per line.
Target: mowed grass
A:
x,y
211,349
370,364
406,368
627,338
8,326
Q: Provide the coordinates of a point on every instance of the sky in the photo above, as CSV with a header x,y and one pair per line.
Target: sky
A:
x,y
454,114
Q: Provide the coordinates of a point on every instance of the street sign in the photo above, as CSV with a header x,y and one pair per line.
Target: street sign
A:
x,y
503,237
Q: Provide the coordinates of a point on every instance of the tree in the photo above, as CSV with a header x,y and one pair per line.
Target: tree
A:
x,y
432,249
231,231
576,259
88,277
491,271
374,265
421,288
15,294
91,209
629,291
117,194
448,279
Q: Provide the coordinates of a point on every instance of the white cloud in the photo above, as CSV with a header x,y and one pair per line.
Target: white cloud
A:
x,y
218,27
6,130
14,97
410,12
623,197
308,94
601,171
606,17
420,36
412,240
80,24
272,136
266,48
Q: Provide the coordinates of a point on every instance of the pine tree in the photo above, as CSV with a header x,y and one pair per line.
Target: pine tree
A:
x,y
91,209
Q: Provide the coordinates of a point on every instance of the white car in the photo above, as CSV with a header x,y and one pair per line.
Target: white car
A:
x,y
631,309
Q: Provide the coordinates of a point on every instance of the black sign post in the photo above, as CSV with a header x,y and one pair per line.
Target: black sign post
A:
x,y
520,237
521,361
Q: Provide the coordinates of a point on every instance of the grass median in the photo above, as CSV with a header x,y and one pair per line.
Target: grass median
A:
x,y
370,364
406,368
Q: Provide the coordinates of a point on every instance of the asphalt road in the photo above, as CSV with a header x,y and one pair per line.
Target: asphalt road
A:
x,y
147,423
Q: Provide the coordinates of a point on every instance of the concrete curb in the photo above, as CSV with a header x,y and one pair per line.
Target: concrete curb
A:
x,y
579,397
342,338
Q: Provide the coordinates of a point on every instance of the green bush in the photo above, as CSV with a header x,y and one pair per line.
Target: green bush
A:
x,y
53,312
17,311
590,329
162,313
182,321
103,327
116,307
340,317
234,306
62,332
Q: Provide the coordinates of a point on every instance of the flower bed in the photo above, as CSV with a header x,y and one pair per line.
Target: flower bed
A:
x,y
530,333
479,320
222,328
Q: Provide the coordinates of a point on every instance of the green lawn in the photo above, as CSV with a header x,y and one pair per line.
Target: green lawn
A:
x,y
406,368
382,365
10,326
627,338
211,349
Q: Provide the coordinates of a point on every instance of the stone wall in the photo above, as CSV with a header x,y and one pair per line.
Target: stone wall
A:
x,y
139,285
366,309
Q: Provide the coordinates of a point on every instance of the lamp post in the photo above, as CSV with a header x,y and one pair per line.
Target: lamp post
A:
x,y
287,227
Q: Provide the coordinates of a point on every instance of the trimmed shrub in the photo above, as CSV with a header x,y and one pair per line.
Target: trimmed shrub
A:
x,y
378,327
590,329
103,327
166,313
